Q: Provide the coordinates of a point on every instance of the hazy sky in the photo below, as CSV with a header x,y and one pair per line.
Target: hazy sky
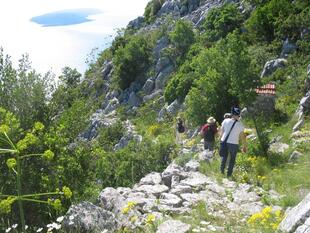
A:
x,y
51,48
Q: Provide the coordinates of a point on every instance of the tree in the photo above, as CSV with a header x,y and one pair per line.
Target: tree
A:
x,y
23,91
227,78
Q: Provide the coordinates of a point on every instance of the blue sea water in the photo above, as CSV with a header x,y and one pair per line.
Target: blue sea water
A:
x,y
65,17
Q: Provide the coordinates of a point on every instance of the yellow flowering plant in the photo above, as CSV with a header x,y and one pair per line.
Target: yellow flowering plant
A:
x,y
16,151
267,220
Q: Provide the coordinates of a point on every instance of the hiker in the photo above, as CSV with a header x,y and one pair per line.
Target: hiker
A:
x,y
180,129
230,131
208,132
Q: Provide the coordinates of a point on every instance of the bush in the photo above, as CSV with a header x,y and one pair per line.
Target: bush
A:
x,y
180,84
127,166
131,60
182,37
266,21
221,21
151,10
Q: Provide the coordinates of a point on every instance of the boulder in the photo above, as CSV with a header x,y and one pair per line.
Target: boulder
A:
x,y
296,216
299,124
295,156
161,44
305,102
107,67
134,100
136,23
278,147
154,190
172,170
154,95
272,65
162,63
148,86
196,180
112,105
110,199
170,7
173,226
305,228
192,165
287,48
152,179
97,120
88,218
163,76
174,107
170,200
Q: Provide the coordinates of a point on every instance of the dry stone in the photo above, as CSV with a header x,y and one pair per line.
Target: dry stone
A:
x,y
173,226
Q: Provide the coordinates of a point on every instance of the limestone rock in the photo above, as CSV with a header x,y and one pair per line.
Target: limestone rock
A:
x,y
295,155
172,170
88,218
170,7
163,76
272,66
173,226
278,147
136,23
134,99
110,199
296,216
148,86
160,45
287,48
155,190
151,179
192,165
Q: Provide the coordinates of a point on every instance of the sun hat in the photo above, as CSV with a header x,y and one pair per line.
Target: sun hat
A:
x,y
211,120
227,115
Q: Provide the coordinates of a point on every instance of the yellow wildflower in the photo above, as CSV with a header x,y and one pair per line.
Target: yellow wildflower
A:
x,y
150,219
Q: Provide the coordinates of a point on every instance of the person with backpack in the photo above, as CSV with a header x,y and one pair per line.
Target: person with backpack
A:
x,y
230,132
180,129
208,132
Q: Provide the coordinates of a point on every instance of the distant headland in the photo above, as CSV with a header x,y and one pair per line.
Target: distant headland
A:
x,y
65,17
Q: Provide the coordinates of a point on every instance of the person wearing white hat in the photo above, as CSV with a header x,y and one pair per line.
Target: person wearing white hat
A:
x,y
208,132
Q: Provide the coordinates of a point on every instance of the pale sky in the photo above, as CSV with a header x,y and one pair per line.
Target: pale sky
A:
x,y
51,48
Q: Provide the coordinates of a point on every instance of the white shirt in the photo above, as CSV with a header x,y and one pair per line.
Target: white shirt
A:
x,y
234,134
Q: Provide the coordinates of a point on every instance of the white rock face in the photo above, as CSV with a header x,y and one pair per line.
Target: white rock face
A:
x,y
173,226
297,217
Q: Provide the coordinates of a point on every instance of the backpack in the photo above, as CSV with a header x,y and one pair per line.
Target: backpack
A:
x,y
180,127
208,133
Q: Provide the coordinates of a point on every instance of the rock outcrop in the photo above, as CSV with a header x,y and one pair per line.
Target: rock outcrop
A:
x,y
297,219
304,104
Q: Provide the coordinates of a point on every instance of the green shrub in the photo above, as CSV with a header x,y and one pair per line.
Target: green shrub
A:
x,y
127,166
131,60
151,10
182,37
266,20
221,21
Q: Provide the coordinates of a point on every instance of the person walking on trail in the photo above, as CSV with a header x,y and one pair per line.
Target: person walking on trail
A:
x,y
180,129
230,132
208,132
